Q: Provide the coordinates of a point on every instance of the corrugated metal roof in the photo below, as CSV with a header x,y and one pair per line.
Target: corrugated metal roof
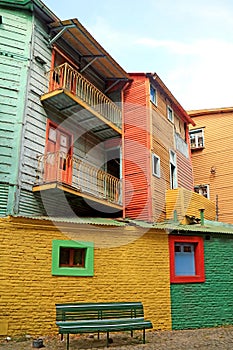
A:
x,y
88,48
77,220
208,227
170,226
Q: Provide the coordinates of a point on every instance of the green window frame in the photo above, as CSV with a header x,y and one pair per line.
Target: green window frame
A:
x,y
86,269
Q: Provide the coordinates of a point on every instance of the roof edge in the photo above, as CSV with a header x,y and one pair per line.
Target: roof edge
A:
x,y
198,112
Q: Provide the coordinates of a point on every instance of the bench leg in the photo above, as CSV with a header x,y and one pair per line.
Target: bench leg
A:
x,y
62,336
144,336
68,341
98,335
107,339
131,333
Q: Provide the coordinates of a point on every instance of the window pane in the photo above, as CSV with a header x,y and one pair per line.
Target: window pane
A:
x,y
156,165
79,257
184,260
197,138
152,94
52,134
64,256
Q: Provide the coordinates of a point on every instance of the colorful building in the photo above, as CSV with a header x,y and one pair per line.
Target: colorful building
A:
x,y
156,147
211,145
96,184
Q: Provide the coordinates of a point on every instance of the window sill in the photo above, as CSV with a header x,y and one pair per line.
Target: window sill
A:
x,y
197,148
154,104
187,279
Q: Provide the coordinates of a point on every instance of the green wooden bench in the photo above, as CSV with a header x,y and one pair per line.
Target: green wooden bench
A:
x,y
98,318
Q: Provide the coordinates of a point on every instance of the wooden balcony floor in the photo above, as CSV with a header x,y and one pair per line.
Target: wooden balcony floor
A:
x,y
81,203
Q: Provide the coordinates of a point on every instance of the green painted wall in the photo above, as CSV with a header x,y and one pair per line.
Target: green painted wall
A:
x,y
208,304
15,32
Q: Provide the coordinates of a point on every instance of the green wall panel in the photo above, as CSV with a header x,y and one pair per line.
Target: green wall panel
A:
x,y
15,32
207,304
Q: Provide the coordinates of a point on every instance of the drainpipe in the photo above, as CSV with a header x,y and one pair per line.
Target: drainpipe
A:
x,y
202,216
175,216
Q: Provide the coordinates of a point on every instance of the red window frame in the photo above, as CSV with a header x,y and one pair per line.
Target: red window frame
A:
x,y
198,257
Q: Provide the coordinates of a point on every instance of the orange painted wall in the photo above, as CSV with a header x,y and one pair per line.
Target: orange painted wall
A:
x,y
218,131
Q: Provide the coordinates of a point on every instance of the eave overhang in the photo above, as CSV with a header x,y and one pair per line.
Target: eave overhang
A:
x,y
89,50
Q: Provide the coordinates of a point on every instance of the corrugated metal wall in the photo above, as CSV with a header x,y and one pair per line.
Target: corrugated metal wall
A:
x,y
218,130
188,203
137,150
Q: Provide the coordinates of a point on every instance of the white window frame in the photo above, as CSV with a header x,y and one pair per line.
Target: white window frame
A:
x,y
173,174
170,114
197,135
153,97
199,189
155,168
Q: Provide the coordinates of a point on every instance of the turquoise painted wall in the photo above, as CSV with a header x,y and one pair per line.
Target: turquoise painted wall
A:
x,y
207,304
15,32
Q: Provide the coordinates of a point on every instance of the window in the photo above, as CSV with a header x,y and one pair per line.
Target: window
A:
x,y
173,170
170,114
155,165
186,259
153,95
72,258
203,190
196,138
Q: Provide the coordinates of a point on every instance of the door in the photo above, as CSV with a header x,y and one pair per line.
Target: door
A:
x,y
58,156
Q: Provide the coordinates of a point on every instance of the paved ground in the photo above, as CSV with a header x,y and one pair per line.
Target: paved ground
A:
x,y
220,338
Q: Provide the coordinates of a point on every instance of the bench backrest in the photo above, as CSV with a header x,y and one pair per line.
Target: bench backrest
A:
x,y
99,311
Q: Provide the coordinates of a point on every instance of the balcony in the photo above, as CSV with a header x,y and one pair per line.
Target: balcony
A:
x,y
75,177
73,96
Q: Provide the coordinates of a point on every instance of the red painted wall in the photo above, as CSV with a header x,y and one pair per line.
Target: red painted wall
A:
x,y
136,151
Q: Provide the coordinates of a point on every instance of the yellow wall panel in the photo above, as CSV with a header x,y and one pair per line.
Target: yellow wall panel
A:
x,y
218,130
188,203
130,264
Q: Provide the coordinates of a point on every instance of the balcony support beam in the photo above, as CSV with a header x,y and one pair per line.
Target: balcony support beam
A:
x,y
59,34
89,64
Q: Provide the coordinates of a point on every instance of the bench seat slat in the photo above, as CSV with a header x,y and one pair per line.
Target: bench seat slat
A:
x,y
105,327
99,322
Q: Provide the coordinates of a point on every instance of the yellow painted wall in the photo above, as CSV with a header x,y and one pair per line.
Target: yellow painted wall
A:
x,y
188,203
129,265
218,129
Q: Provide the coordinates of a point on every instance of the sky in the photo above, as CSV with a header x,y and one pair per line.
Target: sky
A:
x,y
188,43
